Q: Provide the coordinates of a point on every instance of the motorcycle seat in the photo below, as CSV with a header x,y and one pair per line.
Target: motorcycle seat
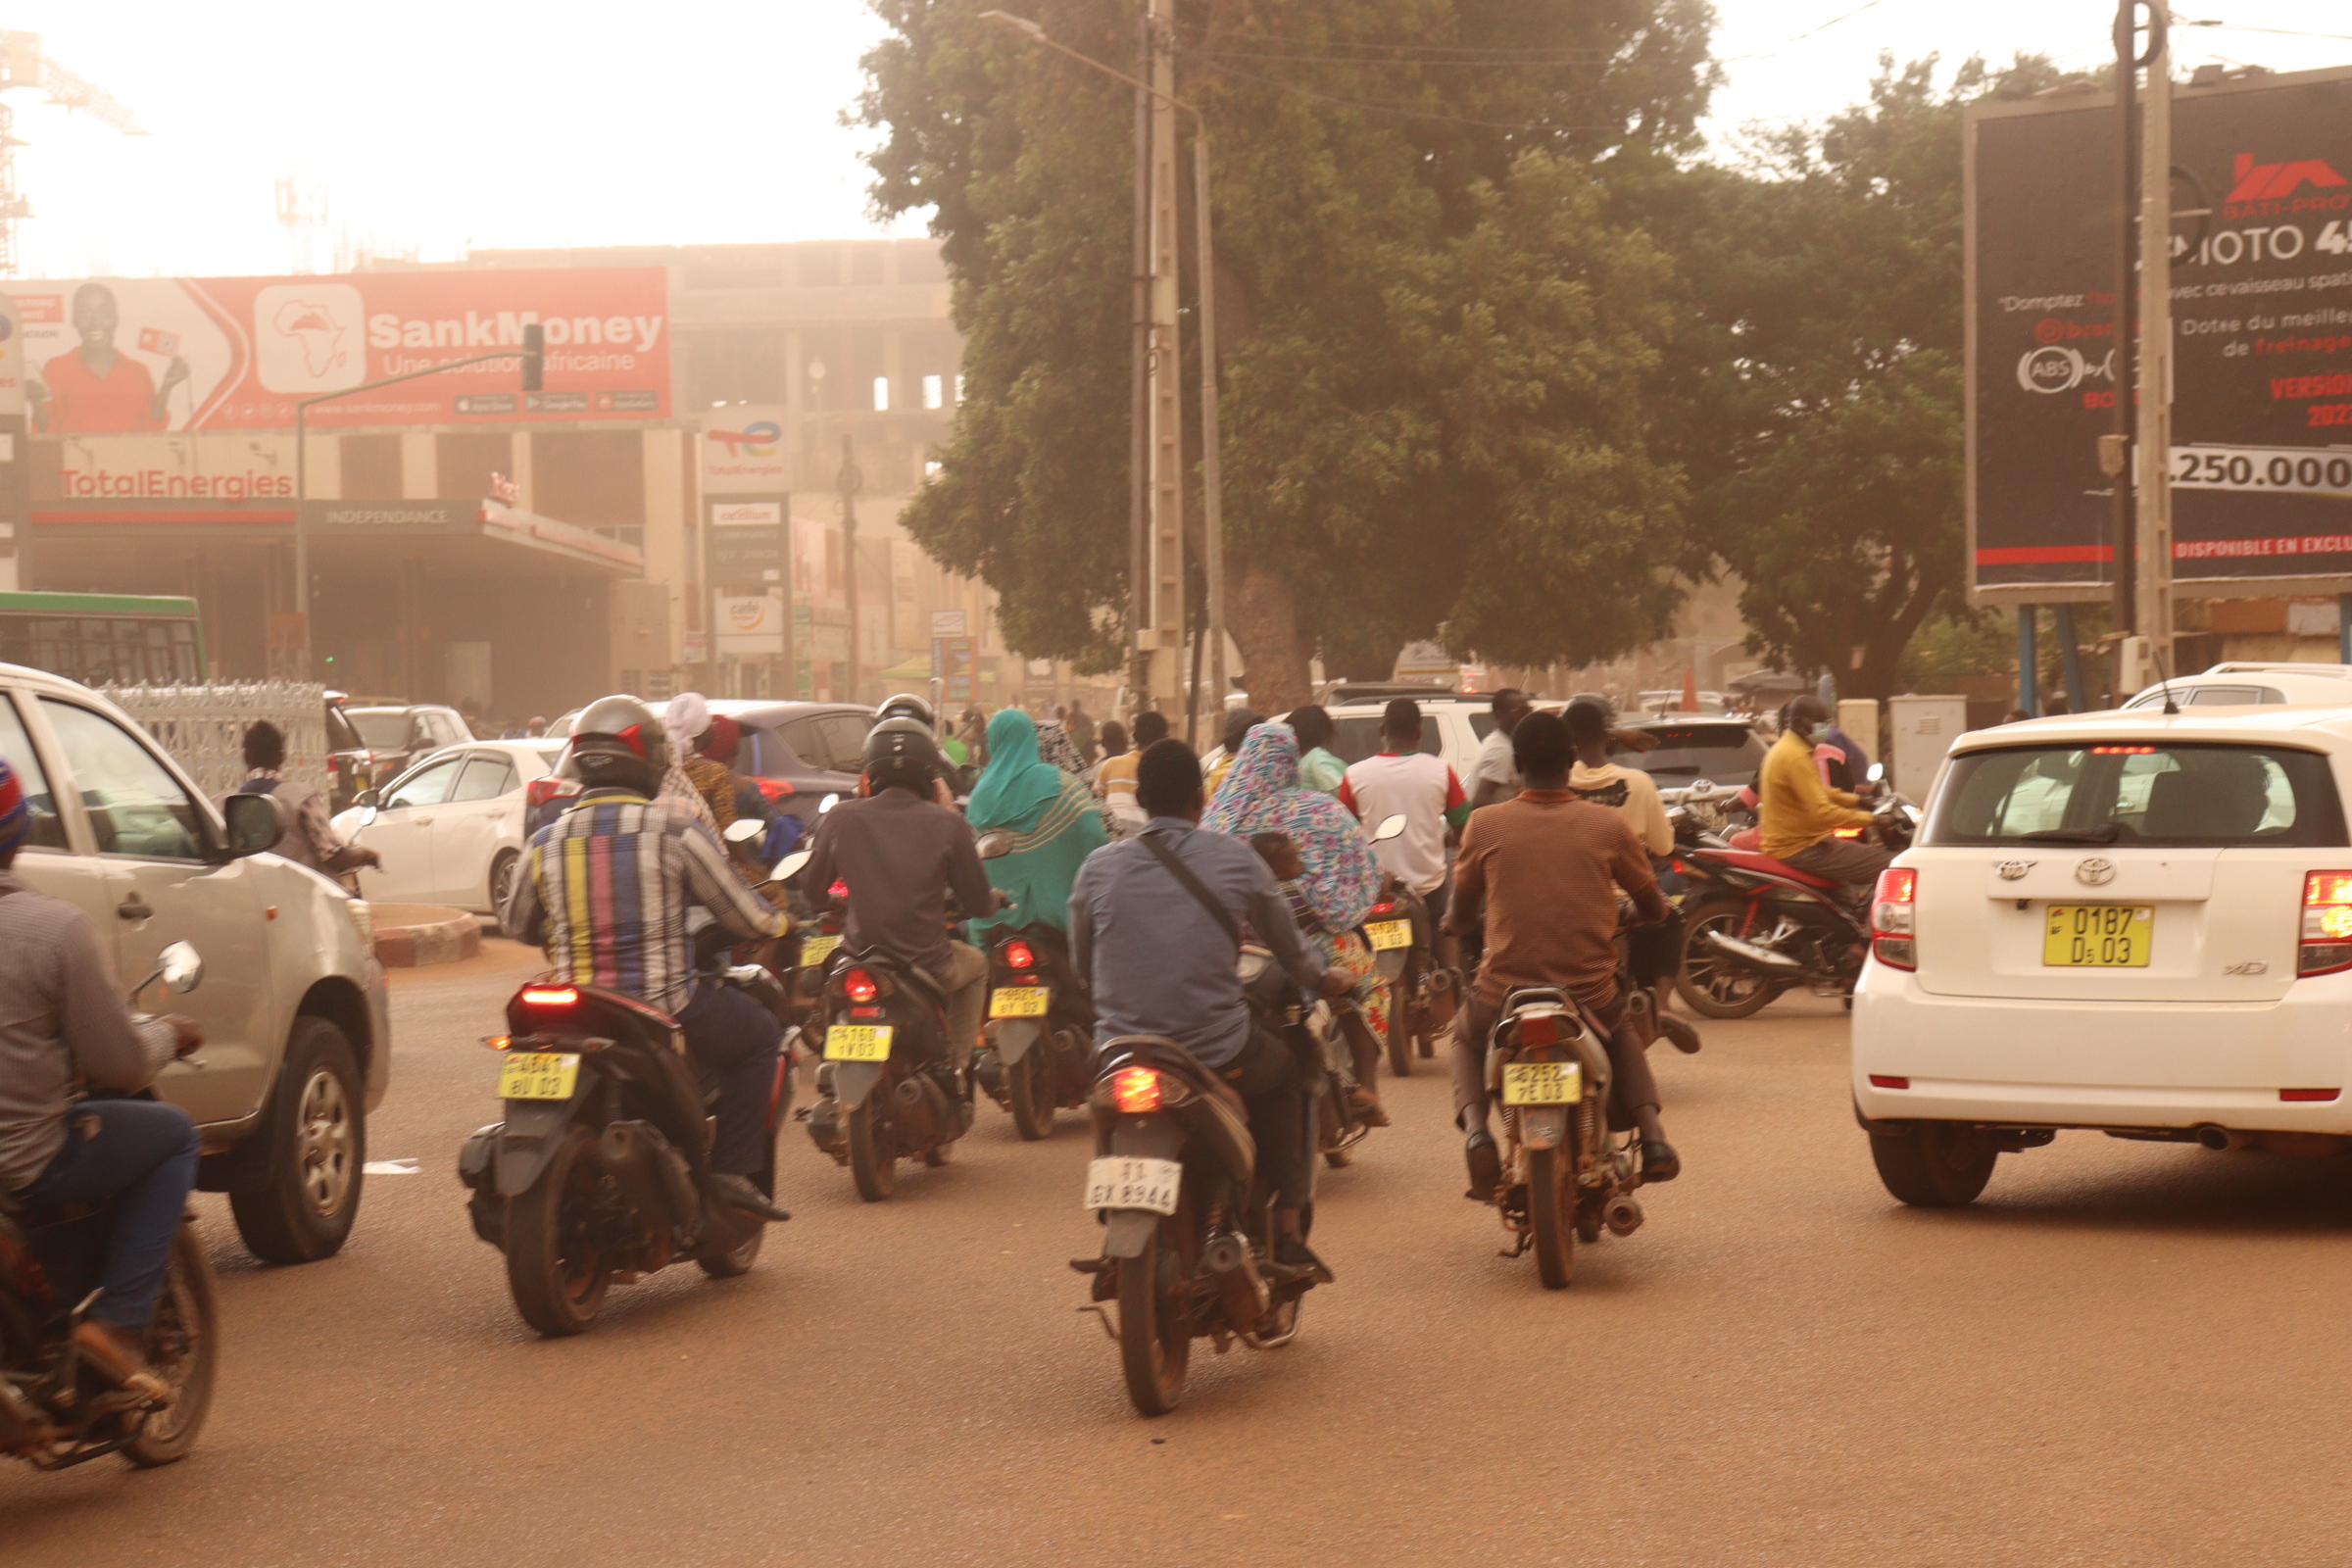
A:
x,y
913,975
1747,838
1759,860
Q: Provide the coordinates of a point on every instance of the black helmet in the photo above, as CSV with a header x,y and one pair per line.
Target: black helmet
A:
x,y
902,752
618,742
905,705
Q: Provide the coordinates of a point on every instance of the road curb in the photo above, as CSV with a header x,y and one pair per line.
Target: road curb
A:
x,y
407,934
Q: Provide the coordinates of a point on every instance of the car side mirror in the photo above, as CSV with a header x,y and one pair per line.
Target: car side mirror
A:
x,y
1389,827
1878,772
367,797
789,867
744,830
254,824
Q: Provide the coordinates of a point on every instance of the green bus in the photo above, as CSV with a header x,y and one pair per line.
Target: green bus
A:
x,y
104,638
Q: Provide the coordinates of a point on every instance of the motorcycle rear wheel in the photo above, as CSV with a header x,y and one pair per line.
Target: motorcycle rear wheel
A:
x,y
1705,980
1156,1342
1403,998
873,1150
183,1343
1029,1085
556,1274
1555,1242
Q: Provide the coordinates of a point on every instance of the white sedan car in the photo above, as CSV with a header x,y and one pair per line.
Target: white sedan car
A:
x,y
450,829
2122,923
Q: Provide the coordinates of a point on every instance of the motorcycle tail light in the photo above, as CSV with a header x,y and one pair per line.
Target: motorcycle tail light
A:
x,y
839,890
1383,909
1845,832
1539,1029
543,789
775,788
550,997
2326,945
1135,1091
1893,941
1021,954
859,986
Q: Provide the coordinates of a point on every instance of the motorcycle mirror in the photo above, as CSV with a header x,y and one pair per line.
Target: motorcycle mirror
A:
x,y
180,968
1878,772
827,804
367,815
994,845
1389,827
789,867
1701,790
744,829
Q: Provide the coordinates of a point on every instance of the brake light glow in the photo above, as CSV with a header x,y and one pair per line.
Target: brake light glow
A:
x,y
1845,832
1021,954
550,997
2123,750
1886,1080
839,890
775,788
2326,945
1539,1029
1893,941
859,986
1383,909
1135,1091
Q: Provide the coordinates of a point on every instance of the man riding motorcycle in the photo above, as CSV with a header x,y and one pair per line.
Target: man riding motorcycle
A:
x,y
59,1019
900,853
605,889
1801,814
1546,867
1155,925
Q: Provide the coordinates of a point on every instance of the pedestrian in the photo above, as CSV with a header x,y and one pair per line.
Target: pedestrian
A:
x,y
310,837
1494,776
536,727
1114,778
1082,732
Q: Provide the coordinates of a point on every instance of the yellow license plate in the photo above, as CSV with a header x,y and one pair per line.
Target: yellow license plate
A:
x,y
2098,936
858,1042
1386,933
1542,1083
537,1075
1019,1002
815,950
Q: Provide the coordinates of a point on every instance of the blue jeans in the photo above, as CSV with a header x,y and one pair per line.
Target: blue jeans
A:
x,y
142,1153
733,1042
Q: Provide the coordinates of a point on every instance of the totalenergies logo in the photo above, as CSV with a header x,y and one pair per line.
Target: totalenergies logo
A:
x,y
759,439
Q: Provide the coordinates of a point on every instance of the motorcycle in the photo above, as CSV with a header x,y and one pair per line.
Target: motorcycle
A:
x,y
1566,1174
1040,1031
1754,927
599,1172
887,1087
55,1410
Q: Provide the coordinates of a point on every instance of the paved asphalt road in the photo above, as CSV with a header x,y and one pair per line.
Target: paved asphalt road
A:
x,y
2125,1355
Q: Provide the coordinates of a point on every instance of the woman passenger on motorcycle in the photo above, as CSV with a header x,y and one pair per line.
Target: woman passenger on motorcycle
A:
x,y
1337,875
1054,822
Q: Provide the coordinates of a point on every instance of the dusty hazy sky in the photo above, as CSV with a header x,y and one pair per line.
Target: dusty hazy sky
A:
x,y
437,124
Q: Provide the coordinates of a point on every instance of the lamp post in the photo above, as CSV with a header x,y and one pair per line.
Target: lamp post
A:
x,y
1212,489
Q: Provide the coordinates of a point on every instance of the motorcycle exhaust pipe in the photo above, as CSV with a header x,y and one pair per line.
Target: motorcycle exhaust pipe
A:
x,y
1240,1288
923,1108
1758,957
631,1153
1622,1215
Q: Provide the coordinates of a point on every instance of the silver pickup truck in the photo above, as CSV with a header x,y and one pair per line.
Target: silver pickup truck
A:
x,y
297,1046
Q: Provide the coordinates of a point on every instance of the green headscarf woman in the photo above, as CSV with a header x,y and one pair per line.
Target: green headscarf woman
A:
x,y
1051,816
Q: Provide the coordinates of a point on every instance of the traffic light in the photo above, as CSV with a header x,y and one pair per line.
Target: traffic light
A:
x,y
534,357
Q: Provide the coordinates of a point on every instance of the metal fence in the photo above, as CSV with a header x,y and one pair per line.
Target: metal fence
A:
x,y
203,727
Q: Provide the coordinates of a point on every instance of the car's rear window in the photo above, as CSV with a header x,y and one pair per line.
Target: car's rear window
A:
x,y
1721,753
382,730
2125,793
2211,696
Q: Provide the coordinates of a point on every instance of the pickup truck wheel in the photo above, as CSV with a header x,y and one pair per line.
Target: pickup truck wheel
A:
x,y
1940,1166
321,1127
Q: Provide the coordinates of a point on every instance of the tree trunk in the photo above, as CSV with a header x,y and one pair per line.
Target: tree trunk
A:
x,y
1262,614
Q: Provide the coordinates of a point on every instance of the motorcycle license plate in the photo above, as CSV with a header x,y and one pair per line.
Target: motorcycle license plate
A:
x,y
1019,1002
1386,933
858,1042
1146,1183
1542,1083
2098,936
815,950
537,1075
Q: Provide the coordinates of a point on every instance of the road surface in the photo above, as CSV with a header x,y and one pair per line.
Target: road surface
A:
x,y
2125,1355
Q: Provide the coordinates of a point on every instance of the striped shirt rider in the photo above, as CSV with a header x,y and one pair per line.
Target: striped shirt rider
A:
x,y
606,888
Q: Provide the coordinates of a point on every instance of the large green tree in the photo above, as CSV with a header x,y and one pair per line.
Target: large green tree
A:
x,y
1436,326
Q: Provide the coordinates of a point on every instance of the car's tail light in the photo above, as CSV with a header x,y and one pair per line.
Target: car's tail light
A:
x,y
541,791
859,986
775,789
1135,1091
1021,954
1539,1029
550,997
2326,923
1893,941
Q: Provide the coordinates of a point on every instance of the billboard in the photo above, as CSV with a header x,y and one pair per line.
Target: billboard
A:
x,y
744,451
140,354
2262,339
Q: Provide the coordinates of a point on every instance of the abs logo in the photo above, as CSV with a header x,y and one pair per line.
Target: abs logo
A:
x,y
2051,368
758,439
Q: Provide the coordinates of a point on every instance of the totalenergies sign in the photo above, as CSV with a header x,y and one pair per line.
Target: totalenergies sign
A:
x,y
143,354
746,451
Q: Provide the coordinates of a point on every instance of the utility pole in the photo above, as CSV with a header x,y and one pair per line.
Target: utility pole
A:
x,y
2152,592
24,63
851,480
1139,446
1212,483
1167,376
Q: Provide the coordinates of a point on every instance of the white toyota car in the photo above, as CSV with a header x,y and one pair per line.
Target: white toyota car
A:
x,y
2125,922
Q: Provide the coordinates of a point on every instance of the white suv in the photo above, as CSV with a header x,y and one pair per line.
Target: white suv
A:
x,y
2120,921
297,1046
